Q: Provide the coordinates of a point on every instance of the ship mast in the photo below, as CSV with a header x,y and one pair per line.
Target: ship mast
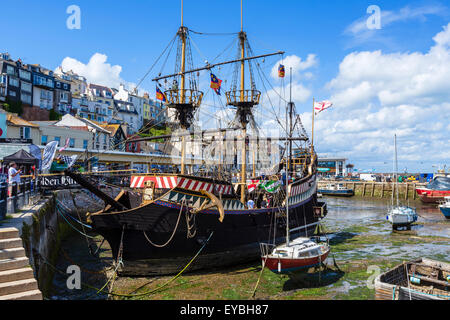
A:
x,y
242,36
182,33
243,100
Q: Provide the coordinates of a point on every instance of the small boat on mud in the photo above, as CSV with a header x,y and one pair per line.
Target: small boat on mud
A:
x,y
422,279
435,191
336,190
299,255
402,217
399,216
445,207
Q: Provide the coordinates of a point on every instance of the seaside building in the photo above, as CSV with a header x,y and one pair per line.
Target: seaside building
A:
x,y
129,116
63,95
43,94
331,166
15,81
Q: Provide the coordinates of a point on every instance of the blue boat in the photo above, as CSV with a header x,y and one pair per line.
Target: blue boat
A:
x,y
445,207
336,190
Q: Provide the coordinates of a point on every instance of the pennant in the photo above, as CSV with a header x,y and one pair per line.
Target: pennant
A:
x,y
49,154
281,71
65,146
216,84
252,185
159,95
321,106
270,186
69,161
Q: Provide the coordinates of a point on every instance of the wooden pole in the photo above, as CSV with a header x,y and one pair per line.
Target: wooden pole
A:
x,y
382,190
364,189
414,196
406,193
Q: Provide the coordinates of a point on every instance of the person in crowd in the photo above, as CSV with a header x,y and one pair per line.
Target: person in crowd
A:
x,y
13,177
250,204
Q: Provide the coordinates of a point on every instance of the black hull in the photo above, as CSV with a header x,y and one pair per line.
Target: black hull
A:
x,y
235,240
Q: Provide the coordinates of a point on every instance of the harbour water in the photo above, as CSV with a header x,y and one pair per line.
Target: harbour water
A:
x,y
363,245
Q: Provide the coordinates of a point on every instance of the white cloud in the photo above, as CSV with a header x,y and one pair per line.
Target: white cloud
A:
x,y
377,95
360,33
96,71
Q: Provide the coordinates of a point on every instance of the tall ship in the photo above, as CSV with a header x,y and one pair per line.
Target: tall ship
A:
x,y
162,220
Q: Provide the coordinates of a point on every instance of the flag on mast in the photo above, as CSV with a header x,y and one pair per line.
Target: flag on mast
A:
x,y
159,95
321,106
281,71
216,83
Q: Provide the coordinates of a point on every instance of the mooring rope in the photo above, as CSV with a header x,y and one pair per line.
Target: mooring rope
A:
x,y
139,294
173,233
259,278
62,215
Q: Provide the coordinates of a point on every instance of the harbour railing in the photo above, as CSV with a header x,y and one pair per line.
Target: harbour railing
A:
x,y
15,196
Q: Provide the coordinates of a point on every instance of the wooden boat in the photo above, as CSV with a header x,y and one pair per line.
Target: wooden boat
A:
x,y
422,279
445,207
158,224
332,189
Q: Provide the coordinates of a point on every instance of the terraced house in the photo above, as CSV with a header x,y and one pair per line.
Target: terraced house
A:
x,y
15,82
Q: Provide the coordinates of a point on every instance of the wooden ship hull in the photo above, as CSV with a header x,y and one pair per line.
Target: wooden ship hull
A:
x,y
422,279
161,236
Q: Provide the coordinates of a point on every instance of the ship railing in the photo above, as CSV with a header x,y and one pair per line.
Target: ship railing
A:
x,y
236,97
266,248
184,96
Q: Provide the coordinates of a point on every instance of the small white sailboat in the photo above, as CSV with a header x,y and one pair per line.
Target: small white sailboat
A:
x,y
399,216
299,254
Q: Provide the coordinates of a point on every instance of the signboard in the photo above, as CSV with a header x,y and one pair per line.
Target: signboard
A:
x,y
57,182
15,140
323,169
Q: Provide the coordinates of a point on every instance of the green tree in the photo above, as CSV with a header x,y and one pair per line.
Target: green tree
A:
x,y
54,116
13,106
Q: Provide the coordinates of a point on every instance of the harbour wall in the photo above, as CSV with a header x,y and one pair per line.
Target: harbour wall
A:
x,y
406,190
41,233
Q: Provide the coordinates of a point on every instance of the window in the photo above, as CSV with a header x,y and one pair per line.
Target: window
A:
x,y
11,93
44,140
13,82
85,144
72,143
66,86
24,74
25,97
58,139
10,70
25,86
25,133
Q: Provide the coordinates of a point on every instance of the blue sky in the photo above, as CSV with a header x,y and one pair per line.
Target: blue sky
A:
x,y
132,34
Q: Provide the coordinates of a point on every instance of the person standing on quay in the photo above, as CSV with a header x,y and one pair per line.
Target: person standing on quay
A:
x,y
13,177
